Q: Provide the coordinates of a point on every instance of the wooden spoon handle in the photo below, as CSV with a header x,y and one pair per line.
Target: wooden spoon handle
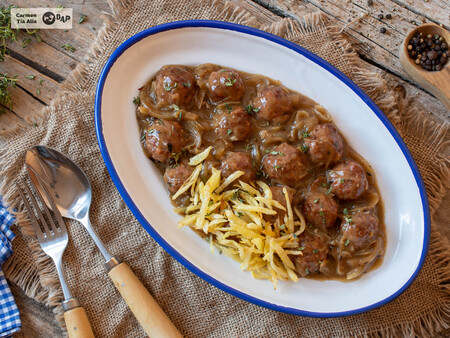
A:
x,y
77,323
148,313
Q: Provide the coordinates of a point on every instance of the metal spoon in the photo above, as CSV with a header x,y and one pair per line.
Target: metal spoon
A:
x,y
70,190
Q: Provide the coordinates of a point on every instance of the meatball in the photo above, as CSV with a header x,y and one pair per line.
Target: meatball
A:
x,y
348,180
175,177
235,125
320,210
238,161
274,104
325,145
175,85
225,84
285,165
164,139
359,230
314,249
278,194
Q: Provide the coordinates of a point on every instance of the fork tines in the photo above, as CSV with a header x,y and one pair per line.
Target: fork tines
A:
x,y
46,228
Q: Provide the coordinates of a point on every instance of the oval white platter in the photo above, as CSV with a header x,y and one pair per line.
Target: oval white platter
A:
x,y
362,123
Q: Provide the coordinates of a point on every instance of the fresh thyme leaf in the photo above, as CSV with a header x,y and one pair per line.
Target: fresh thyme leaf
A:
x,y
168,88
187,84
38,92
175,107
345,212
7,34
229,108
276,167
68,47
31,77
315,250
137,100
40,82
304,148
230,82
6,82
346,242
229,131
82,18
305,133
316,200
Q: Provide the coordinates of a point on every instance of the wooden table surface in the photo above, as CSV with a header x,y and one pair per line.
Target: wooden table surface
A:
x,y
49,62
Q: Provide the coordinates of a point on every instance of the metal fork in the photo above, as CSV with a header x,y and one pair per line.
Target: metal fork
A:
x,y
53,239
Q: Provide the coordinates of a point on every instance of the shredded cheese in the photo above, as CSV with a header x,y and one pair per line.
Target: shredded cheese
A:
x,y
243,221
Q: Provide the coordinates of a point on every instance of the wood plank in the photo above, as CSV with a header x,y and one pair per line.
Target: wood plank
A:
x,y
437,11
81,35
8,120
45,58
48,55
45,84
37,319
25,104
379,48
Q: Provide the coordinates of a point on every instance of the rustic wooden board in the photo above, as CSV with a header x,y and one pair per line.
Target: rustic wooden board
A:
x,y
45,84
378,48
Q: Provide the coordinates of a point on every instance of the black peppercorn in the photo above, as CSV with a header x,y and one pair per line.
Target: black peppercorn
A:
x,y
388,16
380,16
427,50
369,2
382,30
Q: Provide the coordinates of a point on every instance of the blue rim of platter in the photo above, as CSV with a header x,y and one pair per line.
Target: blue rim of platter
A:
x,y
322,63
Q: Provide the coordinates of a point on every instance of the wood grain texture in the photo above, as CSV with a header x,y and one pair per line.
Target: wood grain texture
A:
x,y
77,323
48,61
144,307
373,46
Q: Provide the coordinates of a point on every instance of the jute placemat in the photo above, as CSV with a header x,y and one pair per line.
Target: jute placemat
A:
x,y
197,308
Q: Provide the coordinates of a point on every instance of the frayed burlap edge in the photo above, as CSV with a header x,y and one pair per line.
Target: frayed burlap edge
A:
x,y
44,286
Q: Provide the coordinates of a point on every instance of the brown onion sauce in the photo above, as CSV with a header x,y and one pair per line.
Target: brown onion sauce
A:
x,y
311,115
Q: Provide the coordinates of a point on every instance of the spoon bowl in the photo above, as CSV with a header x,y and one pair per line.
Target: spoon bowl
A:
x,y
436,82
69,185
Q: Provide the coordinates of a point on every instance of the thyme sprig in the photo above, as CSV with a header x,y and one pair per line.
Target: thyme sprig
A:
x,y
5,96
9,35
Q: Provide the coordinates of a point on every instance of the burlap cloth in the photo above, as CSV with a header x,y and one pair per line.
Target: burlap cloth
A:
x,y
197,308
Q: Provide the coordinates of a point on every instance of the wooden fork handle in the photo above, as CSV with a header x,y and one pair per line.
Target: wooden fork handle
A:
x,y
148,313
77,323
